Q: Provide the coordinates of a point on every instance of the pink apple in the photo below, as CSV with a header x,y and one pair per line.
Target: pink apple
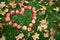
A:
x,y
18,27
30,30
29,7
14,24
22,9
7,18
33,9
17,11
10,23
25,7
34,14
31,25
34,17
8,15
21,12
12,12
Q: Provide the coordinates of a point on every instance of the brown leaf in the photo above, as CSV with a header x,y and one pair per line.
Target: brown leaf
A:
x,y
59,25
1,25
46,35
43,22
21,4
3,38
20,36
52,38
12,3
52,31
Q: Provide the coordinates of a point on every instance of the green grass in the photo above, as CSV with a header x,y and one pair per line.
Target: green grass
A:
x,y
10,32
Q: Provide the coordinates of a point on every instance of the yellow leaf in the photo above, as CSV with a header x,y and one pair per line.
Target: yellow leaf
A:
x,y
43,8
51,3
6,10
35,36
12,3
2,12
44,26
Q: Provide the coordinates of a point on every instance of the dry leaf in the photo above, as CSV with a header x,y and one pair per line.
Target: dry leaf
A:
x,y
21,4
1,25
43,8
26,2
6,10
0,18
43,22
59,25
3,38
35,36
56,9
20,36
2,12
52,31
52,38
42,12
46,35
39,28
44,26
2,4
23,39
12,3
51,3
46,31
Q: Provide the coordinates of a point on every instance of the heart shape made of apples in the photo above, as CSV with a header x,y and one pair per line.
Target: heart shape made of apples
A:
x,y
22,10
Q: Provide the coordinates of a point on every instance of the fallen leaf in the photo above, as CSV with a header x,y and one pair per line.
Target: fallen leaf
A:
x,y
52,38
56,9
43,22
52,31
51,3
35,36
2,12
3,37
2,4
20,36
